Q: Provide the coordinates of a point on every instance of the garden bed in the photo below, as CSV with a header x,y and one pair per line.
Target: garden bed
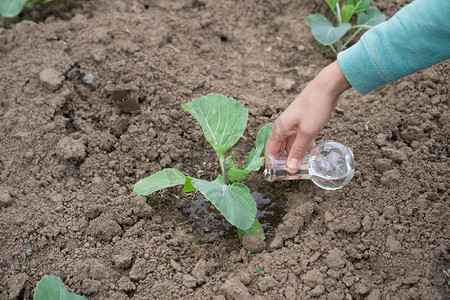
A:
x,y
90,105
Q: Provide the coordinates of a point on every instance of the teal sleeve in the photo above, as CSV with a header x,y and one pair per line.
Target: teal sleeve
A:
x,y
416,37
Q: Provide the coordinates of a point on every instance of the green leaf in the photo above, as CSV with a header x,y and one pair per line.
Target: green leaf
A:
x,y
253,163
188,187
263,136
347,12
255,230
311,18
52,288
235,175
360,5
234,201
254,159
223,120
371,18
11,8
228,163
325,33
158,181
332,4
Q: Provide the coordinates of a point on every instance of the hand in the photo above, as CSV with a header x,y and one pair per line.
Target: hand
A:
x,y
296,127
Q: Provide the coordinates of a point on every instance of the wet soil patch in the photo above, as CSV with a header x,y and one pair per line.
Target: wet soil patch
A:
x,y
209,220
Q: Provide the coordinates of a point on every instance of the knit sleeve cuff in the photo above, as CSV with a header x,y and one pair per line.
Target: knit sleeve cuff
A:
x,y
360,69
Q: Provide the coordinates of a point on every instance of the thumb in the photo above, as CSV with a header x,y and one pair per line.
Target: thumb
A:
x,y
298,150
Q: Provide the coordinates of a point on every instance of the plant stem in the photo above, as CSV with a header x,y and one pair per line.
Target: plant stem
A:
x,y
351,37
334,50
361,26
221,160
338,10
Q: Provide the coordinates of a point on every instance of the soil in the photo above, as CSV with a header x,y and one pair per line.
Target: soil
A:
x,y
91,104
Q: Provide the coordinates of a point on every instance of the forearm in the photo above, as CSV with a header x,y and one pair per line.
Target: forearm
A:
x,y
332,81
417,37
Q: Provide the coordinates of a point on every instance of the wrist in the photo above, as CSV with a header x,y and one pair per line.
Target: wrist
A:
x,y
332,80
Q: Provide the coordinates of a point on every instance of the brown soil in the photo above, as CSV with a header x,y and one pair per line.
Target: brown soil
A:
x,y
70,153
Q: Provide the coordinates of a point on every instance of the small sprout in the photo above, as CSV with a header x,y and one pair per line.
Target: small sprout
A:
x,y
258,271
109,199
250,253
345,260
447,275
193,243
366,126
327,34
247,52
168,267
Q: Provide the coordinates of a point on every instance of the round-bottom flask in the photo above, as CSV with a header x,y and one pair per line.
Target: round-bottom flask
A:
x,y
330,165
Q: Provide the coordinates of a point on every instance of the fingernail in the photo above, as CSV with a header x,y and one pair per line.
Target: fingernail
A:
x,y
293,163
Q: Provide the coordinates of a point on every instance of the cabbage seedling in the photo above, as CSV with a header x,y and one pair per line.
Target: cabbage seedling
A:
x,y
223,121
326,34
11,8
52,288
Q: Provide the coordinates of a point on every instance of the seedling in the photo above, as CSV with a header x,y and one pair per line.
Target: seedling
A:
x,y
258,271
250,253
52,288
168,267
326,34
447,275
223,121
11,8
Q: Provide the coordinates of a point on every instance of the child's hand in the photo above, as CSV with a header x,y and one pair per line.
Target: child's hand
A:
x,y
296,127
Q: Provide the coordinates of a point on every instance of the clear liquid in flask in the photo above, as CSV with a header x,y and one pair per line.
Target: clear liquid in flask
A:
x,y
330,165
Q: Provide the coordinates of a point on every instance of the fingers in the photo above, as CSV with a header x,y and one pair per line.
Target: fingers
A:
x,y
312,145
299,148
277,140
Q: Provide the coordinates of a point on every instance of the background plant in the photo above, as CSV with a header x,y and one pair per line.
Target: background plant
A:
x,y
326,34
11,8
52,288
223,121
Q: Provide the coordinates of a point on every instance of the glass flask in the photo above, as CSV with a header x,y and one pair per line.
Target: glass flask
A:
x,y
330,165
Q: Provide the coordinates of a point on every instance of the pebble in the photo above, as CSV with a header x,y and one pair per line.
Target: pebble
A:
x,y
98,56
88,79
28,251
